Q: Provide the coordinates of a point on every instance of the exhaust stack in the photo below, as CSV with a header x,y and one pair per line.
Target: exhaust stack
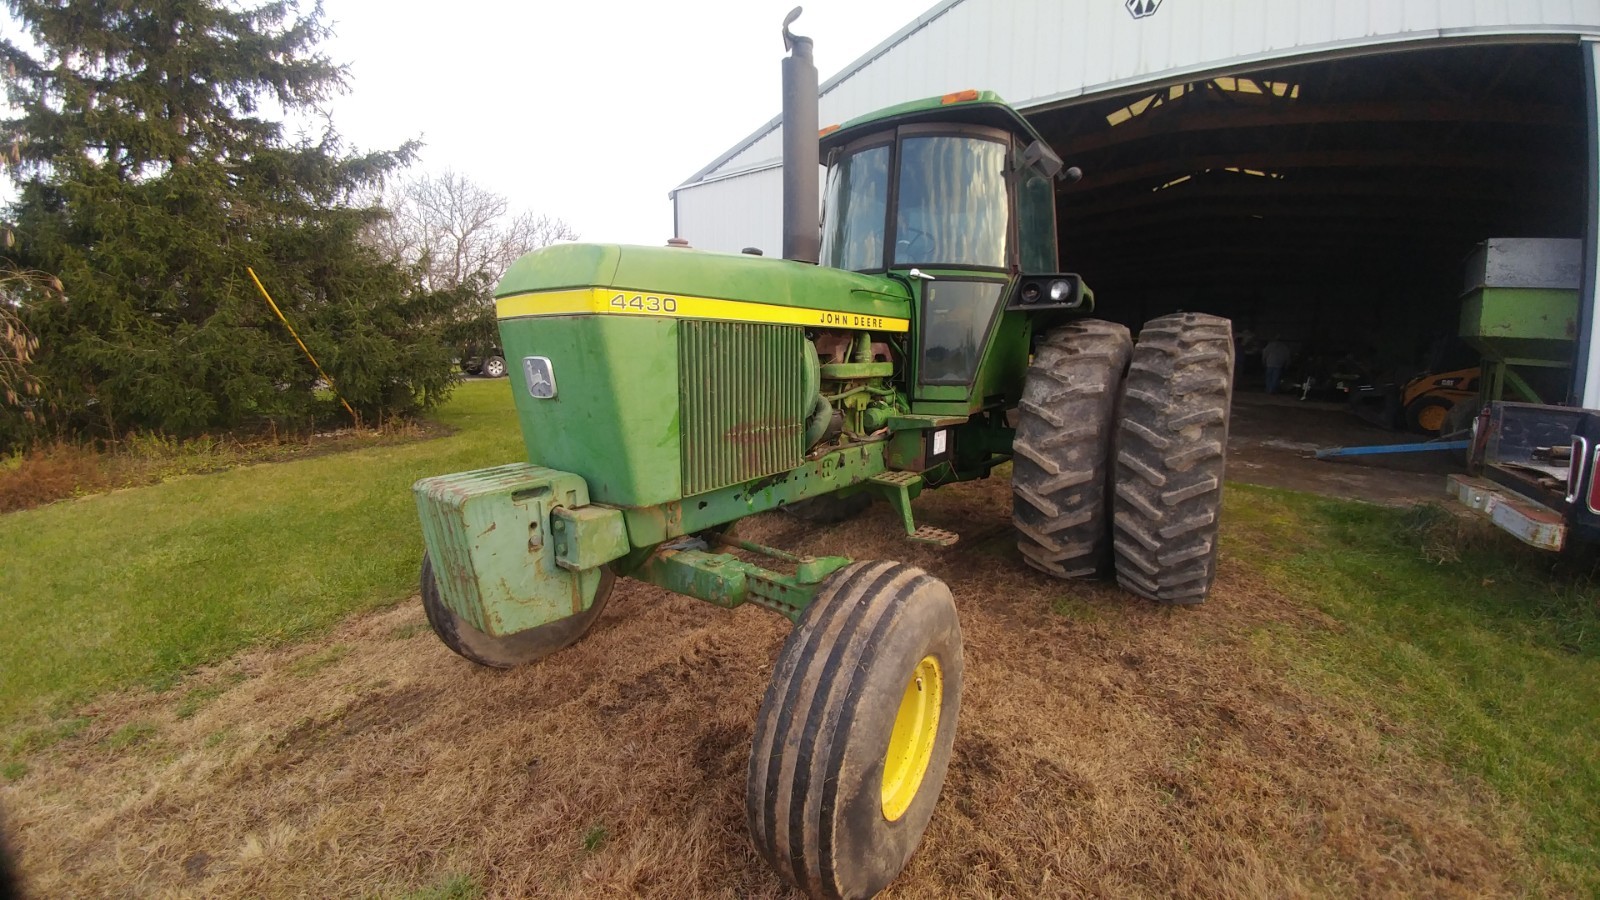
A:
x,y
802,228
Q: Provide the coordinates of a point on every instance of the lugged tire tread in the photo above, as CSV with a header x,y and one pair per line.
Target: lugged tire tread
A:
x,y
1061,468
1171,452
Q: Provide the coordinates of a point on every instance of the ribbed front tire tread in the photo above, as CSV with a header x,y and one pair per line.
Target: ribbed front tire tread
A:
x,y
806,787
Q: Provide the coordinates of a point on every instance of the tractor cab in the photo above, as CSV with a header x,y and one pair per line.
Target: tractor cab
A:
x,y
954,182
954,196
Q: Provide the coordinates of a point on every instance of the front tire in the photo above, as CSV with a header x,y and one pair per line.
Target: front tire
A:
x,y
1172,445
494,367
855,731
1061,471
511,650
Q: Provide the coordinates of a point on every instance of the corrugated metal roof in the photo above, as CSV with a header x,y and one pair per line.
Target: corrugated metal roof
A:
x,y
1038,53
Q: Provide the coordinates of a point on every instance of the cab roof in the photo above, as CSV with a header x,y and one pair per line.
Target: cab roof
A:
x,y
965,107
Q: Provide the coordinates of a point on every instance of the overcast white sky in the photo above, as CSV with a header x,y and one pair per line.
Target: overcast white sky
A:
x,y
590,112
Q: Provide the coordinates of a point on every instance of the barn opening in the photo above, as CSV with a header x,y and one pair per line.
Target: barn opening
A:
x,y
1332,203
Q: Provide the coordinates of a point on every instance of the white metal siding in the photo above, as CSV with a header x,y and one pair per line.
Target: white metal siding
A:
x,y
1036,53
733,213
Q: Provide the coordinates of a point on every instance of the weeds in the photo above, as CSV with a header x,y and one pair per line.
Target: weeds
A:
x,y
453,887
64,470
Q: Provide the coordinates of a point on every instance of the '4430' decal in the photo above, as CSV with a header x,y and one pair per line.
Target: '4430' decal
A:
x,y
644,303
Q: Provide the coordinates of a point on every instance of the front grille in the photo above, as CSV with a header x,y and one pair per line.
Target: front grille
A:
x,y
743,401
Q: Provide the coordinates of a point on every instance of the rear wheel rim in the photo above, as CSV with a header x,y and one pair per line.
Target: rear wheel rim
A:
x,y
1431,418
916,726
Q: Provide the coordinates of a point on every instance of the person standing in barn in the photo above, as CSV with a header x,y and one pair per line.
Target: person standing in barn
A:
x,y
1274,356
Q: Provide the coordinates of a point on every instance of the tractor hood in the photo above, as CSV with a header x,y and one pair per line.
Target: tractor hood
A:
x,y
683,272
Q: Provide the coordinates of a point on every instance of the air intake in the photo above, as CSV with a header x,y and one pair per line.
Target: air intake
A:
x,y
743,401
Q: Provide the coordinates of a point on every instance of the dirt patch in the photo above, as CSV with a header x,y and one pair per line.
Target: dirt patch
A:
x,y
1106,747
1272,440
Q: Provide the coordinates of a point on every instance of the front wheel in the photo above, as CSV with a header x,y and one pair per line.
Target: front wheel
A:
x,y
1428,415
855,731
511,650
494,367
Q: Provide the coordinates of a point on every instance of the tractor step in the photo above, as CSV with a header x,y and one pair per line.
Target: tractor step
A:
x,y
899,488
927,534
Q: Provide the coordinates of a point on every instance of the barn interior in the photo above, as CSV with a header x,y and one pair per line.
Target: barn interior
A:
x,y
1331,204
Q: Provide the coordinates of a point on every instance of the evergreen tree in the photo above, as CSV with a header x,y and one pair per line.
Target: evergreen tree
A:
x,y
150,176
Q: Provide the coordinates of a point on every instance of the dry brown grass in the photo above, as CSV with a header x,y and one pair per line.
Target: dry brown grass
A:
x,y
48,474
1107,747
60,470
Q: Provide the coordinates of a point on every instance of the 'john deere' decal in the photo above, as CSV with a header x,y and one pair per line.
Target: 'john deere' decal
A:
x,y
1141,8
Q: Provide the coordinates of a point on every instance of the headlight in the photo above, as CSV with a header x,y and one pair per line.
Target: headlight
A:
x,y
1030,292
1060,291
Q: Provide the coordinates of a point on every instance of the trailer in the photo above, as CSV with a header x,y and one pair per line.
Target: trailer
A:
x,y
1530,465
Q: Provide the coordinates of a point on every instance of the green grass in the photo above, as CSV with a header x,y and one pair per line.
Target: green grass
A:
x,y
1485,650
454,887
131,735
135,586
197,698
314,662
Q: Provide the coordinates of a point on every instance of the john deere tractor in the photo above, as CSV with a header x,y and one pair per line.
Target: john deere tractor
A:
x,y
918,337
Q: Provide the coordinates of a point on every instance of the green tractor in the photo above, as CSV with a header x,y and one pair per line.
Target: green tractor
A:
x,y
666,393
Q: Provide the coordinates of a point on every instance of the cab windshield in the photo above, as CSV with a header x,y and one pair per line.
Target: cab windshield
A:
x,y
952,205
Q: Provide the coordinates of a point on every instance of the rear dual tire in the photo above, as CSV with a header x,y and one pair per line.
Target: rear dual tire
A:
x,y
1061,471
1120,453
1172,444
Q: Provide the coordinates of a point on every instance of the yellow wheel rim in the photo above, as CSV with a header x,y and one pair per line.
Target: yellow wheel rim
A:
x,y
916,725
1432,418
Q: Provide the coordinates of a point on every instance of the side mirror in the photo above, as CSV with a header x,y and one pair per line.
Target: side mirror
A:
x,y
1039,156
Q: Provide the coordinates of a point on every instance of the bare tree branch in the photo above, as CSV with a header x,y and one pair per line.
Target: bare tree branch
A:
x,y
460,233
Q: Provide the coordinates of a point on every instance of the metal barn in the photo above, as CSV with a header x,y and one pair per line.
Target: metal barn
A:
x,y
1320,170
